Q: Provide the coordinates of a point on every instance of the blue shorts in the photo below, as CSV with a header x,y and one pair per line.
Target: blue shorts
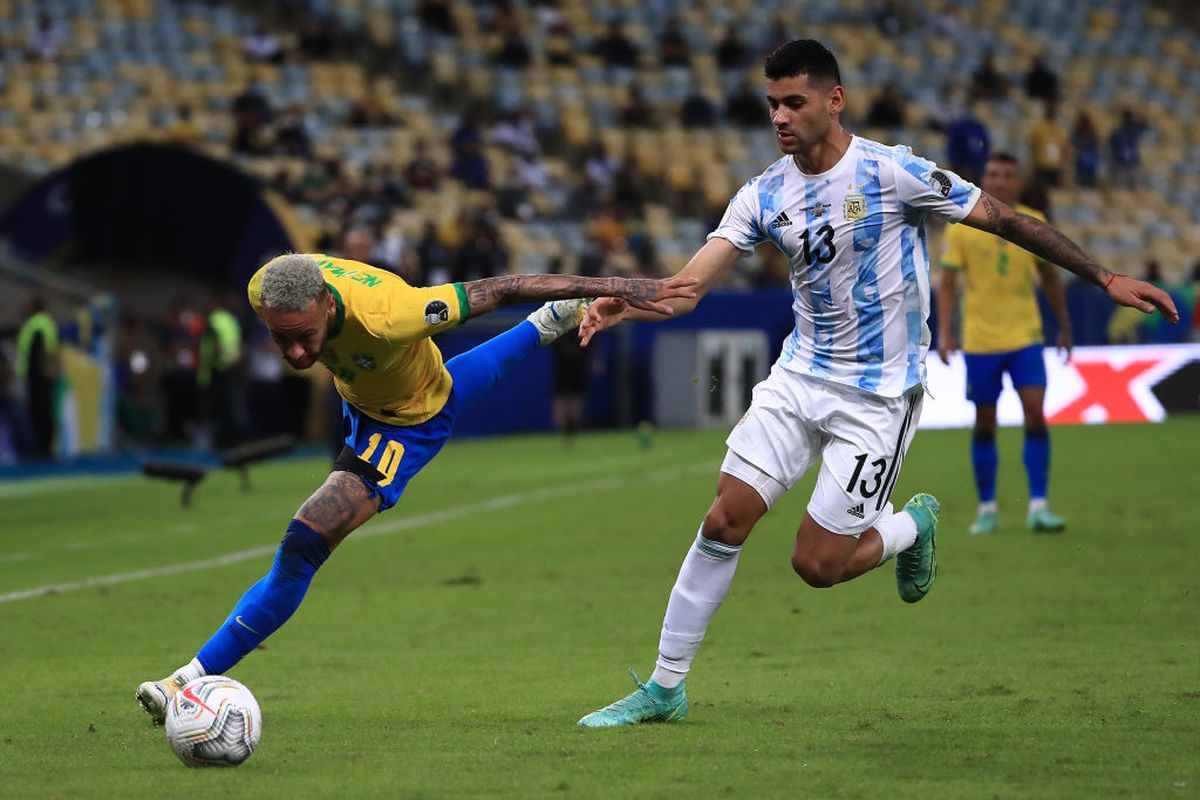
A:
x,y
398,451
1025,367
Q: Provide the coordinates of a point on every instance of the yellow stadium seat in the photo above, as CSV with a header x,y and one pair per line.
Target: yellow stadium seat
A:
x,y
615,142
680,177
670,263
479,83
648,156
228,45
379,27
443,67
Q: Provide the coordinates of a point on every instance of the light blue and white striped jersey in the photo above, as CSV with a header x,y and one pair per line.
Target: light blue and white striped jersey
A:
x,y
855,239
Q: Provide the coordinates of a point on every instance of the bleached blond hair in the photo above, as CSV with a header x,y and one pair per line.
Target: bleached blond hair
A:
x,y
291,282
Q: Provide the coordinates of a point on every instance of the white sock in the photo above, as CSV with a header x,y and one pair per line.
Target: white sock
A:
x,y
989,507
188,672
1037,504
898,532
703,582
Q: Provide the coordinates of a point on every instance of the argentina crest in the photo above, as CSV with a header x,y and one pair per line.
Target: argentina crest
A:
x,y
856,207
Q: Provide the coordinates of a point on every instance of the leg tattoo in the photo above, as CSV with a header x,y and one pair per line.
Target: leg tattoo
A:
x,y
338,507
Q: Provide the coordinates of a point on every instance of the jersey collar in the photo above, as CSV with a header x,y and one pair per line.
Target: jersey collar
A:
x,y
340,318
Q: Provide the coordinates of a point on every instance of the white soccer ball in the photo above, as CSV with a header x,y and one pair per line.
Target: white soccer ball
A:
x,y
213,721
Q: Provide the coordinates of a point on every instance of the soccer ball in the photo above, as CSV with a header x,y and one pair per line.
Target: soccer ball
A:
x,y
213,721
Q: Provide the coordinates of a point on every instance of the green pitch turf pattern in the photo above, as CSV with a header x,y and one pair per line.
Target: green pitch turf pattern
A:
x,y
447,649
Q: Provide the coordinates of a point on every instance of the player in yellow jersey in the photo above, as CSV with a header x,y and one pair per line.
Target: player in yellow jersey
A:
x,y
1002,332
400,402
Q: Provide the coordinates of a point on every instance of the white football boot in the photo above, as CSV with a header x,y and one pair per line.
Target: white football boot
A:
x,y
557,317
155,695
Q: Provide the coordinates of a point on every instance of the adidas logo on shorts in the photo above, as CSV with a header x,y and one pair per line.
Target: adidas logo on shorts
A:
x,y
781,221
857,511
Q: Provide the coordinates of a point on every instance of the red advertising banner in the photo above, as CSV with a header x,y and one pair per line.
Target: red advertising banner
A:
x,y
1098,385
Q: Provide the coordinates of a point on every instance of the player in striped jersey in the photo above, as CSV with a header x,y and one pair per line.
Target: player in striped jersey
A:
x,y
846,390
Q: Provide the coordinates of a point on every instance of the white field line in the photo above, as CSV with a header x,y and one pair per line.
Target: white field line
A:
x,y
35,486
182,529
377,529
23,487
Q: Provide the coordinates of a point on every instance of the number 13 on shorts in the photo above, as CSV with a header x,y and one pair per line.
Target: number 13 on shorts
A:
x,y
872,481
389,459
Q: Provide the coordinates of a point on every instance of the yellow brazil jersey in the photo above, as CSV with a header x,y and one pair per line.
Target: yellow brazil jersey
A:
x,y
379,350
1000,295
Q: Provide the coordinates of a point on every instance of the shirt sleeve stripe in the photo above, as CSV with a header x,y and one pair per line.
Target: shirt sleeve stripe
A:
x,y
464,307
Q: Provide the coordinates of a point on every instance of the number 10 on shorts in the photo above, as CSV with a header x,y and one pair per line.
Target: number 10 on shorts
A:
x,y
389,461
872,481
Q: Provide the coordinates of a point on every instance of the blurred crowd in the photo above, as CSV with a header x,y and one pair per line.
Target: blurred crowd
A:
x,y
1057,155
358,207
207,376
201,372
444,204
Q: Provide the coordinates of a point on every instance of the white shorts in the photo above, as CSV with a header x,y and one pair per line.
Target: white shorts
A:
x,y
860,438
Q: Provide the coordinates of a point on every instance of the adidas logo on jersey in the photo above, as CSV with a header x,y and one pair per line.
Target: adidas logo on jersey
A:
x,y
781,221
857,511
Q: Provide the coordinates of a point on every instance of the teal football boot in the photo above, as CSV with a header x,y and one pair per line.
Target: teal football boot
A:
x,y
984,523
916,567
1045,521
649,703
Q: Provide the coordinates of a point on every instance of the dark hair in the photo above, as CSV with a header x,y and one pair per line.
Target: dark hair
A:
x,y
802,57
1003,157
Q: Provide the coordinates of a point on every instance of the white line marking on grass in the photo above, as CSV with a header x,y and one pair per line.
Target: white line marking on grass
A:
x,y
371,530
572,470
182,529
23,487
14,557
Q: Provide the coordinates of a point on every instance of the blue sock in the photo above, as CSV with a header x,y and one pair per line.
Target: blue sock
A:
x,y
475,371
985,458
1037,460
267,604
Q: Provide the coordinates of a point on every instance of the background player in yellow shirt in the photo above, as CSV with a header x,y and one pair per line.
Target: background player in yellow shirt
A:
x,y
1002,332
400,402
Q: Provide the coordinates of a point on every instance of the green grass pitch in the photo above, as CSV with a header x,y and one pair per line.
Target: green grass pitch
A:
x,y
448,647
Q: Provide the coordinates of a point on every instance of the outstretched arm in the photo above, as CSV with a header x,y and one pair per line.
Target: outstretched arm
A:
x,y
1039,238
707,267
488,294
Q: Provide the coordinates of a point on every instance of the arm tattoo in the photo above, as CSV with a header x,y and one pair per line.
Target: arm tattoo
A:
x,y
489,293
993,214
1043,241
332,509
